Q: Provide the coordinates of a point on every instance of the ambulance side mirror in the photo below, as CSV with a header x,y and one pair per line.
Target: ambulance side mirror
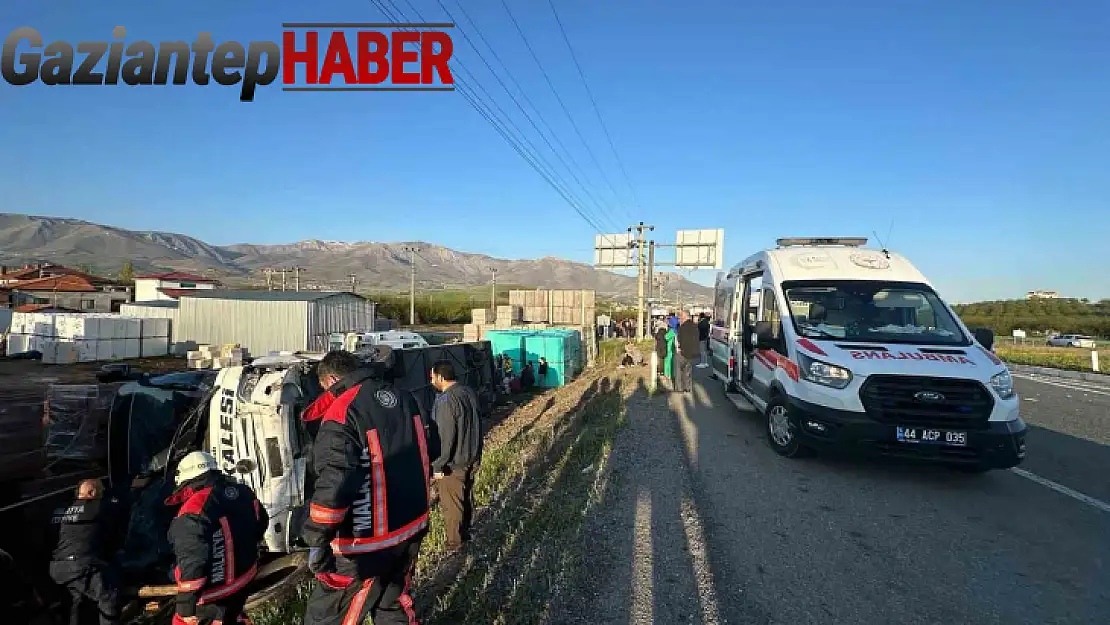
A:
x,y
985,336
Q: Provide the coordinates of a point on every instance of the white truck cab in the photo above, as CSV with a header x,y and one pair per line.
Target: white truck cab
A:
x,y
849,347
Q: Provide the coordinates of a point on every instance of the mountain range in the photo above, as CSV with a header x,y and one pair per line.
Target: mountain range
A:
x,y
324,264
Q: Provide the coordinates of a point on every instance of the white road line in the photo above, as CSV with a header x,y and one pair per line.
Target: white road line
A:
x,y
1063,490
1097,390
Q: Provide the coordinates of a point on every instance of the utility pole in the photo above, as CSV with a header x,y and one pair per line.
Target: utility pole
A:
x,y
493,290
269,272
641,265
283,270
354,281
412,250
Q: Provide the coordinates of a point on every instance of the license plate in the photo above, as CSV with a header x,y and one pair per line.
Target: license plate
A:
x,y
929,436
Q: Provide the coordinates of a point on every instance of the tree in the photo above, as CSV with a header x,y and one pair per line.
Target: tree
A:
x,y
127,274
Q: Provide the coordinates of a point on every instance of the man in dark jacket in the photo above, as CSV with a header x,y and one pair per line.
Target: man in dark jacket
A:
x,y
369,511
689,348
703,336
215,538
88,536
460,437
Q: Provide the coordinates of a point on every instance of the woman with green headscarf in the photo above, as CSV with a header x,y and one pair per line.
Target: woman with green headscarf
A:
x,y
668,363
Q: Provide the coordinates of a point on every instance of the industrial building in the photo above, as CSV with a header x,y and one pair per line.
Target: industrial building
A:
x,y
269,321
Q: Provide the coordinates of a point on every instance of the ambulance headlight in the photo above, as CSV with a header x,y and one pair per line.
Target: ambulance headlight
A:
x,y
823,373
1003,384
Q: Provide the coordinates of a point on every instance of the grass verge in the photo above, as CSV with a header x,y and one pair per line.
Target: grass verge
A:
x,y
610,351
541,470
1069,358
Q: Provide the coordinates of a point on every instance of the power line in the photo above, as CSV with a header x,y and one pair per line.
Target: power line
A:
x,y
597,111
536,161
559,99
523,93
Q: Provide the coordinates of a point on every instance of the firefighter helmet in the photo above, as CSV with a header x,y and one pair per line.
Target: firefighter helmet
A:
x,y
194,465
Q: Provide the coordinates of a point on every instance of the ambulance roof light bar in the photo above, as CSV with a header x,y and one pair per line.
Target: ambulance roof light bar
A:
x,y
811,241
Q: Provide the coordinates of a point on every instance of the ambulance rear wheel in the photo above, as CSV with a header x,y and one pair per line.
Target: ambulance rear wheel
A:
x,y
782,435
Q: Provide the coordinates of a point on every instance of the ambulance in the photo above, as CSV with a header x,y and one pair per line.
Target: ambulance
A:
x,y
840,346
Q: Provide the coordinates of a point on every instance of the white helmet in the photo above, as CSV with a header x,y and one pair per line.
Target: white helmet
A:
x,y
194,465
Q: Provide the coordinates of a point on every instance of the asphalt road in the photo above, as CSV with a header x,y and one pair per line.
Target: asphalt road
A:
x,y
703,523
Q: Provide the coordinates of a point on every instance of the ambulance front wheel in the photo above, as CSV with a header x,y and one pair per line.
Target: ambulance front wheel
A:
x,y
782,433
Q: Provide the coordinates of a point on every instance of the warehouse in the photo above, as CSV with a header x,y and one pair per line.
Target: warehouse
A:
x,y
270,321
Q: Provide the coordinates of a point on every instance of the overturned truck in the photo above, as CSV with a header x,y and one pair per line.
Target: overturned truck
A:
x,y
249,418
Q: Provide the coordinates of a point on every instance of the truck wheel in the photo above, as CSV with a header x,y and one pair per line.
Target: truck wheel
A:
x,y
782,435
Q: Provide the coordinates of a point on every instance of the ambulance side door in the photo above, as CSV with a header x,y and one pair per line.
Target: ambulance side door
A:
x,y
766,360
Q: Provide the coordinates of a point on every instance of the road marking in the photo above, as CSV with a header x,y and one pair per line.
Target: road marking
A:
x,y
1097,390
1063,490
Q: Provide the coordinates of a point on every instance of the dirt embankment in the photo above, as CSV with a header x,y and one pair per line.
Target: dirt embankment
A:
x,y
543,470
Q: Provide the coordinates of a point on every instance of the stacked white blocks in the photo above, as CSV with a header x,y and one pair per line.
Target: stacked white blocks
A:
x,y
69,338
217,356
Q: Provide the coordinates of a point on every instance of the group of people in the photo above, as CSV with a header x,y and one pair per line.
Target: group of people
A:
x,y
680,342
374,460
529,376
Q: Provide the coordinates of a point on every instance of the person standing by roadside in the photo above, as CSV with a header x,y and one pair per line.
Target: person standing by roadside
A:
x,y
87,541
703,337
369,512
689,349
456,416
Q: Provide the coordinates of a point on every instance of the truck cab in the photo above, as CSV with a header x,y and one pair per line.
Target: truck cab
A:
x,y
841,346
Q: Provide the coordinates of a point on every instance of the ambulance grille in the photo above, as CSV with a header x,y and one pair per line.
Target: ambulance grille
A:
x,y
967,404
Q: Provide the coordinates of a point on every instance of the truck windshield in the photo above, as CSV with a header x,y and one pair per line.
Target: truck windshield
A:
x,y
871,312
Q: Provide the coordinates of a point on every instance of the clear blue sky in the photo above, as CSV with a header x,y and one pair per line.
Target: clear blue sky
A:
x,y
982,128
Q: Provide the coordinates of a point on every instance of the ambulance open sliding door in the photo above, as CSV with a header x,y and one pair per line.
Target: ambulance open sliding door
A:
x,y
752,288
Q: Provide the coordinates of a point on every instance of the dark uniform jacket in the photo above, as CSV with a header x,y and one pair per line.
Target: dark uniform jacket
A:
x,y
688,342
372,466
89,528
215,538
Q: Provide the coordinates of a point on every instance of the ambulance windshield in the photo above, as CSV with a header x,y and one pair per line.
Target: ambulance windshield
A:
x,y
871,312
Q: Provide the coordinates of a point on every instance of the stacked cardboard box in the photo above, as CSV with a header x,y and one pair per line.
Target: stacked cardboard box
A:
x,y
556,307
87,337
217,356
480,316
510,313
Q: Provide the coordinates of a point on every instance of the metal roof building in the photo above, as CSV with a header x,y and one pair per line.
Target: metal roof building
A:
x,y
269,321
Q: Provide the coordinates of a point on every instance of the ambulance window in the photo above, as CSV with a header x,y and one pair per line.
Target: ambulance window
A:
x,y
771,314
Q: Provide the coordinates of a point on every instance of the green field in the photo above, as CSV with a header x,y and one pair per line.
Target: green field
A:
x,y
1071,358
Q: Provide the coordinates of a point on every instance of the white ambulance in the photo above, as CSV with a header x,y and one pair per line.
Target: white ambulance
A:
x,y
847,347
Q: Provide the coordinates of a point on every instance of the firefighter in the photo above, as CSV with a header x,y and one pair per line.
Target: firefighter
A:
x,y
87,541
369,510
215,538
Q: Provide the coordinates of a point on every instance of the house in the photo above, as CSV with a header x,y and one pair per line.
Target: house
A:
x,y
267,321
168,286
61,287
1042,295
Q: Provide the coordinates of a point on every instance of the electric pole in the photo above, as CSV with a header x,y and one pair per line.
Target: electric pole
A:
x,y
283,270
269,278
641,261
493,290
412,250
354,281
